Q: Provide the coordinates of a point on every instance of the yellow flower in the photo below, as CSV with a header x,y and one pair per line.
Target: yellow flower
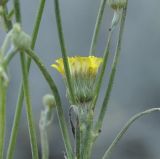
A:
x,y
83,65
83,73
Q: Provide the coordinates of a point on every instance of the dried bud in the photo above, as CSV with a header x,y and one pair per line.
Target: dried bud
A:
x,y
49,100
117,4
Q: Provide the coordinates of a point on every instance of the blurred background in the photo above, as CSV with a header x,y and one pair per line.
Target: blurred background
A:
x,y
136,87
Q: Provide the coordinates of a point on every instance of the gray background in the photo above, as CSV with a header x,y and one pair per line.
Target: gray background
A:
x,y
137,84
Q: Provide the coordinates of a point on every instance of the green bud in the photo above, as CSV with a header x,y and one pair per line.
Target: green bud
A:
x,y
117,4
19,38
49,100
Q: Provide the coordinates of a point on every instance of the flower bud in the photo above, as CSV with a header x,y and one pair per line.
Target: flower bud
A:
x,y
49,100
117,4
84,71
19,38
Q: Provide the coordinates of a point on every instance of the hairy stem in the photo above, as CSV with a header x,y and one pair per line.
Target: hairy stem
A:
x,y
88,136
55,92
6,21
125,128
19,105
78,139
9,57
2,116
97,27
63,49
29,111
112,75
31,126
104,64
44,144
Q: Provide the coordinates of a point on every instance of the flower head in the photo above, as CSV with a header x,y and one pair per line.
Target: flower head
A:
x,y
83,72
79,65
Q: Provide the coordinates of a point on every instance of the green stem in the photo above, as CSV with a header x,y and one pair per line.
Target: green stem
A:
x,y
14,132
2,116
44,144
88,136
29,111
9,57
125,128
97,90
55,92
32,131
44,122
3,92
112,75
10,14
37,23
19,105
104,64
3,2
17,11
97,27
78,139
63,49
7,22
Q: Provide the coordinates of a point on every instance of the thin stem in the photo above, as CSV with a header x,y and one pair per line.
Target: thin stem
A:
x,y
37,23
10,56
16,122
19,105
46,119
78,139
3,92
112,75
10,14
17,11
88,135
44,144
97,90
29,111
2,116
32,131
55,92
3,2
125,128
7,22
104,64
97,27
63,49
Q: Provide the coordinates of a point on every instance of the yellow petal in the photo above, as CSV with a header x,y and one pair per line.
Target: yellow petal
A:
x,y
58,68
80,64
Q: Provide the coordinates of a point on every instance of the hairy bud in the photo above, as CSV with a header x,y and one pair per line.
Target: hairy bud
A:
x,y
49,100
117,4
19,38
